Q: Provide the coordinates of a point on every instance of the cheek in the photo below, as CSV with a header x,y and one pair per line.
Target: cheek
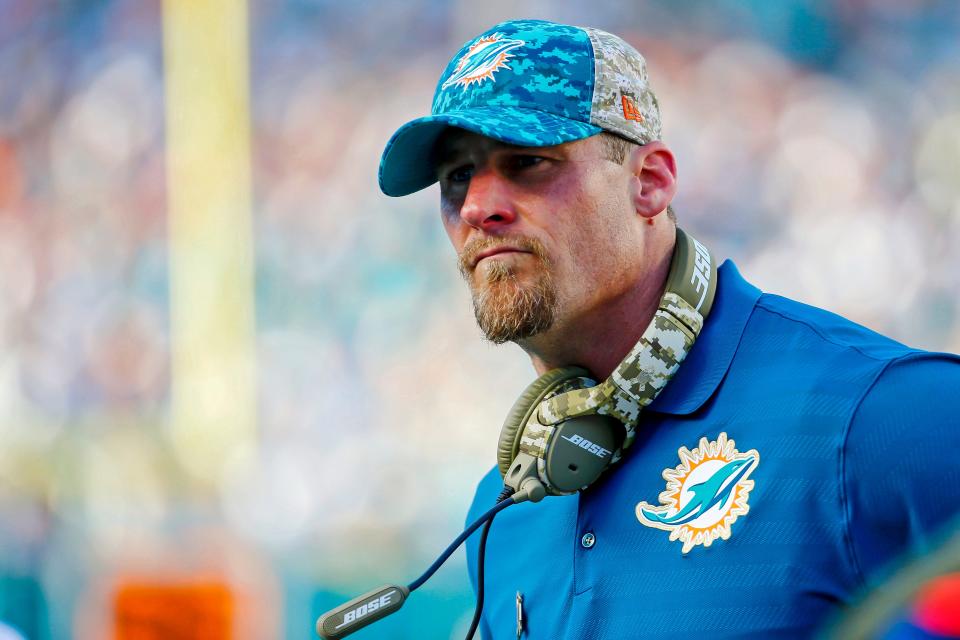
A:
x,y
452,225
601,236
457,233
457,239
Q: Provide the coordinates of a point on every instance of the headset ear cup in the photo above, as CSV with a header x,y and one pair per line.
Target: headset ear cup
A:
x,y
523,408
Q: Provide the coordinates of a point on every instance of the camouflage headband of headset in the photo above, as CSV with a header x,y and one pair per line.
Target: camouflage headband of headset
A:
x,y
634,384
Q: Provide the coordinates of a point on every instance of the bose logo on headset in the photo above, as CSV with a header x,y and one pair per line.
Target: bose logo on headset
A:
x,y
583,443
364,609
701,270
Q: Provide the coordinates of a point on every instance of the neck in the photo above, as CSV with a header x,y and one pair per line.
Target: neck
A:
x,y
601,338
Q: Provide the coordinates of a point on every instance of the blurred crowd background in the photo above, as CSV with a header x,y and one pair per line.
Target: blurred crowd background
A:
x,y
818,145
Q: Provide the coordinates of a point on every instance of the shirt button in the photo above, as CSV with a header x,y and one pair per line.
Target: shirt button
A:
x,y
588,540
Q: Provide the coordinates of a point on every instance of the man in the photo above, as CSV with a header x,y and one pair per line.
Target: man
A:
x,y
787,461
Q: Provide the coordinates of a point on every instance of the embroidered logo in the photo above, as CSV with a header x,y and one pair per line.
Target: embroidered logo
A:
x,y
705,495
630,111
482,60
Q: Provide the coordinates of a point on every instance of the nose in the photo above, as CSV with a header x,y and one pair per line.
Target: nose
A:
x,y
488,204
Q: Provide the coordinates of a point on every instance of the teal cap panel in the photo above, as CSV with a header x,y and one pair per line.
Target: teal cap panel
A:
x,y
525,82
407,165
530,64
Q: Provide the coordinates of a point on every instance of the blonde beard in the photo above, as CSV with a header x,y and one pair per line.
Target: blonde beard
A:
x,y
506,309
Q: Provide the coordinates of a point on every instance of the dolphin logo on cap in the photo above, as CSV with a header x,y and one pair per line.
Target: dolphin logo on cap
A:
x,y
482,60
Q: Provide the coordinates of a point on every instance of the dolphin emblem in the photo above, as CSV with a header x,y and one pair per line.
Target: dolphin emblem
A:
x,y
701,503
706,494
483,58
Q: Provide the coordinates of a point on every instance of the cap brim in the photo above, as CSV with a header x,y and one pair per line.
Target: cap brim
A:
x,y
406,165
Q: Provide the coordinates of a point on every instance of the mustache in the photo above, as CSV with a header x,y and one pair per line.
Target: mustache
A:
x,y
468,257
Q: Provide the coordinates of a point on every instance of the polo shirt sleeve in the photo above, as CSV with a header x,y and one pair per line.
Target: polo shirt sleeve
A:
x,y
900,468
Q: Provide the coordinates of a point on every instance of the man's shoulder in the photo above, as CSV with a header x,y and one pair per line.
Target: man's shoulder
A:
x,y
832,332
820,350
486,493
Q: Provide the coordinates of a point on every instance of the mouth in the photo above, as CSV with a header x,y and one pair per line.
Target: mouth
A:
x,y
494,251
478,249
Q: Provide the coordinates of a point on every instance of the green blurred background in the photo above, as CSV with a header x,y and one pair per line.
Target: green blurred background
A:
x,y
238,384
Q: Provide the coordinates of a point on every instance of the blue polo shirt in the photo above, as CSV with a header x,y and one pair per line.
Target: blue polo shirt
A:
x,y
840,449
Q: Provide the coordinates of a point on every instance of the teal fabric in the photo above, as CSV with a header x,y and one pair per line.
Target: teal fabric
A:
x,y
540,94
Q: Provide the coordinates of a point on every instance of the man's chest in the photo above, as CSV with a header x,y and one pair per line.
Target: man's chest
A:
x,y
719,530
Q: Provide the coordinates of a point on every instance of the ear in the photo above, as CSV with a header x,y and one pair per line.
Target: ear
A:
x,y
655,172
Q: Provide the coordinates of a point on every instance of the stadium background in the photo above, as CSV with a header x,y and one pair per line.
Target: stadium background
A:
x,y
238,384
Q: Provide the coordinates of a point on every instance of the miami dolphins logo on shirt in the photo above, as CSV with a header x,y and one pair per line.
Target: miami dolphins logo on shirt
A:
x,y
705,495
482,60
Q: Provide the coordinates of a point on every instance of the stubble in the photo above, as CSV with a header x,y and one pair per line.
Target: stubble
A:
x,y
507,308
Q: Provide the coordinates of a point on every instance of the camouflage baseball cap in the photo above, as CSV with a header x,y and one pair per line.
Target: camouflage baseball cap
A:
x,y
531,83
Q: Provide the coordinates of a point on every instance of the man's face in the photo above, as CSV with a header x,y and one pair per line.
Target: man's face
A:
x,y
544,235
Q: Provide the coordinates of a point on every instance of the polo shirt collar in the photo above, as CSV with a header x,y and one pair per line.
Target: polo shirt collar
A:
x,y
707,363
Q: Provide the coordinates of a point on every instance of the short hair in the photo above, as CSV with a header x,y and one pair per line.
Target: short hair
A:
x,y
616,149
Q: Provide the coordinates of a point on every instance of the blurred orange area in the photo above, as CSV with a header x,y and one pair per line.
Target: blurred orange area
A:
x,y
144,611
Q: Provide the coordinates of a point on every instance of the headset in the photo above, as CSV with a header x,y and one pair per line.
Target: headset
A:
x,y
566,428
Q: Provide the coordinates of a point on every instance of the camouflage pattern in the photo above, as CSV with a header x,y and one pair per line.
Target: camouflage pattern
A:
x,y
688,316
620,70
643,374
634,384
640,377
537,433
531,83
549,72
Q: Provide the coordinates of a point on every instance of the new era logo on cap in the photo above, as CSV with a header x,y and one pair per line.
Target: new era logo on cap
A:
x,y
630,111
532,83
